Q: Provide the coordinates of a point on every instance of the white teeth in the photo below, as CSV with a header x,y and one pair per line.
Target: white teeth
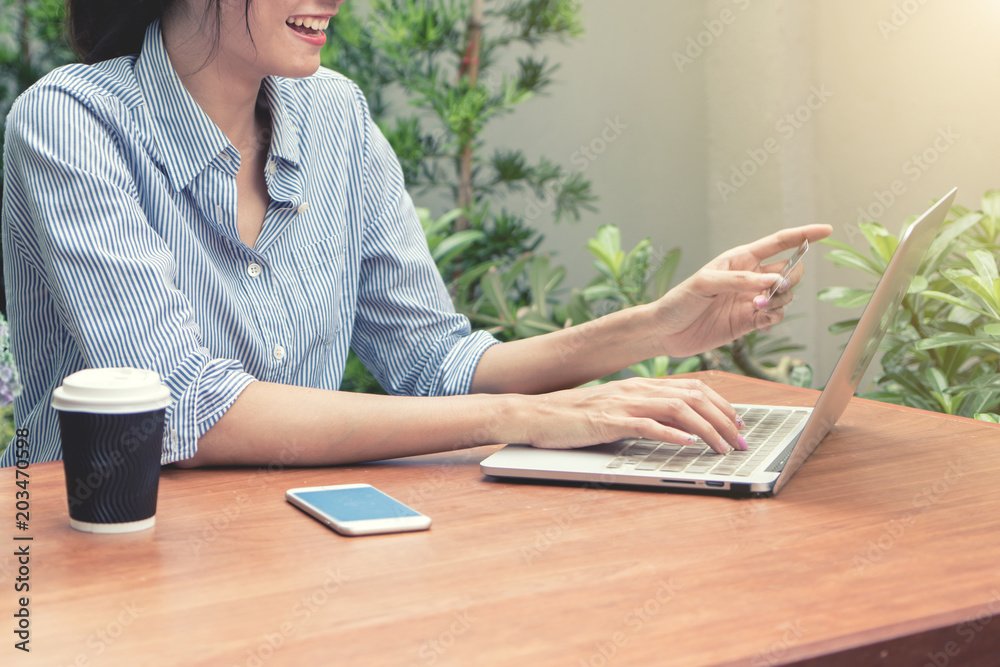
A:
x,y
309,22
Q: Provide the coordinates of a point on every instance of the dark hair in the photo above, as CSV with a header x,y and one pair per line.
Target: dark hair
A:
x,y
103,29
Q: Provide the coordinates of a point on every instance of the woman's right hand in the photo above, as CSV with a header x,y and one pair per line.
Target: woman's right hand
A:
x,y
664,409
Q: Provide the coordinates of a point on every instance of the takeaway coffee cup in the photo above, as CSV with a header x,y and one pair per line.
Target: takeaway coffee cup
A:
x,y
111,420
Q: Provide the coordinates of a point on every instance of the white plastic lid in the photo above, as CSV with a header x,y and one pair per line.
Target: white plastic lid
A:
x,y
111,391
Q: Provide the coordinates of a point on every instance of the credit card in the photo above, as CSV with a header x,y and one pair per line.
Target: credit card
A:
x,y
789,265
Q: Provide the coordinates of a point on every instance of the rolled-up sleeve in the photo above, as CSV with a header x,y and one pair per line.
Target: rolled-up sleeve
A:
x,y
83,262
406,331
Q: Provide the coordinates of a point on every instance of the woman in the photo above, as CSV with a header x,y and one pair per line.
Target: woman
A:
x,y
221,210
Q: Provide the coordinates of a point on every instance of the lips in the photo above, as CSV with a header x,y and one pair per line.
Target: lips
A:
x,y
309,28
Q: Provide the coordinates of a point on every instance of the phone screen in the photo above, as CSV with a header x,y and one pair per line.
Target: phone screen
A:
x,y
356,504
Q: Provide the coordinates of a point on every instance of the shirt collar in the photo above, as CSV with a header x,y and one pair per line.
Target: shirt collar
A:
x,y
187,138
284,129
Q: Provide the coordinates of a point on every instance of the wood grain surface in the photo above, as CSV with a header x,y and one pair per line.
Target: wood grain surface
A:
x,y
882,551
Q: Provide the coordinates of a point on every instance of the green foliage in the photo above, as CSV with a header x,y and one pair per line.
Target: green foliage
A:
x,y
416,51
942,349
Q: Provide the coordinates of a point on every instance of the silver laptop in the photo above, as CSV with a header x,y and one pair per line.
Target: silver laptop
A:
x,y
780,438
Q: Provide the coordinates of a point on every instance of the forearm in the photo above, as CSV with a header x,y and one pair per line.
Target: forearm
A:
x,y
301,426
569,357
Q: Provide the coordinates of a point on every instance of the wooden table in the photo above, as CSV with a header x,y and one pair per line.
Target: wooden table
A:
x,y
883,550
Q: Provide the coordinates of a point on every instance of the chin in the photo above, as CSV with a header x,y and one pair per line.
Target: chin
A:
x,y
300,70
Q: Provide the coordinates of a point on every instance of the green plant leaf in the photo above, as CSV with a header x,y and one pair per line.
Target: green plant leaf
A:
x,y
853,260
532,323
801,376
606,247
949,339
917,285
986,265
937,380
495,292
577,311
955,301
454,244
991,204
988,417
882,242
689,365
948,236
844,326
845,297
663,277
543,280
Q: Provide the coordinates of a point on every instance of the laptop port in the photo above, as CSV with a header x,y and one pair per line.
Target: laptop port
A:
x,y
716,484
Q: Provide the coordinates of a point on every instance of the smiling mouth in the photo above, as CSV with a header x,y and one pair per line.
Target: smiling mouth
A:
x,y
308,25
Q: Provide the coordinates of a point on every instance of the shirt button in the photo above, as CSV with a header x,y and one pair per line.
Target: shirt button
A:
x,y
253,269
278,352
271,167
303,207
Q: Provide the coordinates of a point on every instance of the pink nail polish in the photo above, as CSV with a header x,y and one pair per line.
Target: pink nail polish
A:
x,y
742,443
760,301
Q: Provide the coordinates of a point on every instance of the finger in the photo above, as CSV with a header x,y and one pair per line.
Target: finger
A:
x,y
765,319
783,286
650,429
697,409
712,282
786,239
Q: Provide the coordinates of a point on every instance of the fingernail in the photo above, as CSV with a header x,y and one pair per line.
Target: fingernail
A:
x,y
726,448
740,424
784,286
760,301
742,443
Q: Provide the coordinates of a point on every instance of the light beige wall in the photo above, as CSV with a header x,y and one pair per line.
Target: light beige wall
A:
x,y
619,82
902,93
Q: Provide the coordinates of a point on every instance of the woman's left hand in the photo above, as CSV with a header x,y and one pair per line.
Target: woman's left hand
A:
x,y
726,298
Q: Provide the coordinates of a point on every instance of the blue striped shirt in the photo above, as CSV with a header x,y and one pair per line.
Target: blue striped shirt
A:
x,y
121,248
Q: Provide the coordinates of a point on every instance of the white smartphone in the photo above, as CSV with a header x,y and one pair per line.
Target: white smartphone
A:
x,y
789,265
357,509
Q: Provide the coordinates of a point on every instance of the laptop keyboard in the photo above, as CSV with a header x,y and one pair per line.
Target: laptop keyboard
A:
x,y
766,429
